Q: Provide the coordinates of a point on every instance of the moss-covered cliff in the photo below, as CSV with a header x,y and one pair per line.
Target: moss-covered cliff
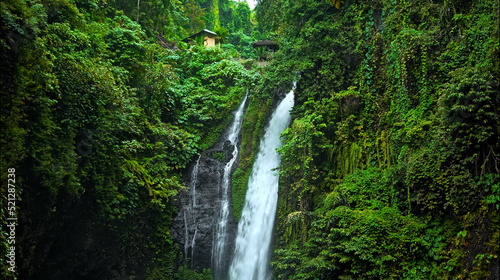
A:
x,y
390,168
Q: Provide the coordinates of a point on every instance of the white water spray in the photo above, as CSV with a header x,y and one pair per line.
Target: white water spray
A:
x,y
186,244
220,238
191,207
251,259
194,179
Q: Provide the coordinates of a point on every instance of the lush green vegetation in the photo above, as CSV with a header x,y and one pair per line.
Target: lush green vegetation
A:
x,y
230,19
99,122
390,168
253,125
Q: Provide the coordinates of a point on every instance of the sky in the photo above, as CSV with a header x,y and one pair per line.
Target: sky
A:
x,y
252,3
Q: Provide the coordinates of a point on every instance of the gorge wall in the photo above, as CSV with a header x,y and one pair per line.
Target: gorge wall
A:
x,y
197,224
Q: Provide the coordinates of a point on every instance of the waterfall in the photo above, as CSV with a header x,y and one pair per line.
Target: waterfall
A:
x,y
186,245
194,179
191,207
253,242
220,238
192,246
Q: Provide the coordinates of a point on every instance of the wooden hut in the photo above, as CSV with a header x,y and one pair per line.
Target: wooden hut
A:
x,y
206,35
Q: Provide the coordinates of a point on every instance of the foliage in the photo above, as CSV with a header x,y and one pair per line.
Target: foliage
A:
x,y
357,233
220,156
159,17
99,122
243,44
255,118
336,3
389,169
224,17
492,186
222,34
393,147
195,15
261,52
241,21
185,273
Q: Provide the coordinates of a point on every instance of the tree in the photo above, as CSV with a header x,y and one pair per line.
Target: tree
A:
x,y
195,15
222,34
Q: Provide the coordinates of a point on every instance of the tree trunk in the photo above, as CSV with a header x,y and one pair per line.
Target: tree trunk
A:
x,y
138,10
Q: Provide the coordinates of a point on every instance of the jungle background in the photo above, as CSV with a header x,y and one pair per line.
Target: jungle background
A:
x,y
390,168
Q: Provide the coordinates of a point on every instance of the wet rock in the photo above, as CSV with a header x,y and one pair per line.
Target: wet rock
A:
x,y
196,220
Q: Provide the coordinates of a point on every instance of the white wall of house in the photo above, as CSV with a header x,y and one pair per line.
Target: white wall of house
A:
x,y
209,42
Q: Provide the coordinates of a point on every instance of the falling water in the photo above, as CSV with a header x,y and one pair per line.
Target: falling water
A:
x,y
191,207
220,238
186,245
251,259
194,179
193,243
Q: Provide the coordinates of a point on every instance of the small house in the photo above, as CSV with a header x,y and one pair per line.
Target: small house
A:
x,y
206,36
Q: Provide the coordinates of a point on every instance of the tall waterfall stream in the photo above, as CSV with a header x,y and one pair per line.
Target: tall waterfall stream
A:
x,y
210,237
253,242
220,238
194,176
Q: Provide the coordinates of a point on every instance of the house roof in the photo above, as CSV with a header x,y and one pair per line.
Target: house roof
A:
x,y
264,43
207,32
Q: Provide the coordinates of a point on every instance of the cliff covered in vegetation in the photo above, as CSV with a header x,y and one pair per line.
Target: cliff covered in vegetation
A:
x,y
98,122
391,166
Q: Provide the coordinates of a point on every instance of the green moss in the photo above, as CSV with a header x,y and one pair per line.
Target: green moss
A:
x,y
253,126
239,189
212,137
220,156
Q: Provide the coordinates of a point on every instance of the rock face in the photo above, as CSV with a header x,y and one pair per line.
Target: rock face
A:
x,y
220,266
195,226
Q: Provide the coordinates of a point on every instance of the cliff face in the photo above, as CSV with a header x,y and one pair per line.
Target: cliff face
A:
x,y
196,228
389,149
193,227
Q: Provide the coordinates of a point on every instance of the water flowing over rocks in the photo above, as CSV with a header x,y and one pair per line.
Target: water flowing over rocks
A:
x,y
194,224
255,228
204,227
